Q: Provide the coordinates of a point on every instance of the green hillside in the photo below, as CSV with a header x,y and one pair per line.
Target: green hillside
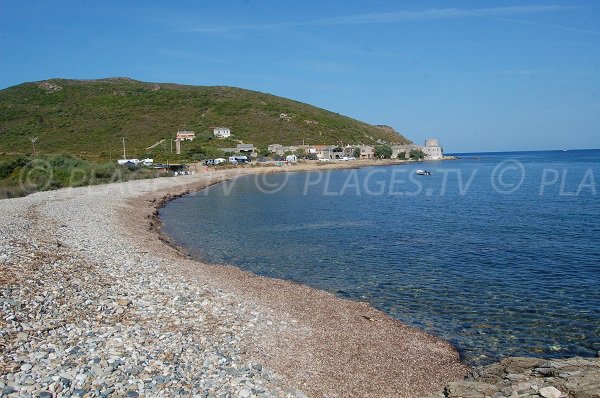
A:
x,y
87,118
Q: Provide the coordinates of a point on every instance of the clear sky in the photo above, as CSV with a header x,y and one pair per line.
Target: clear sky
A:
x,y
479,75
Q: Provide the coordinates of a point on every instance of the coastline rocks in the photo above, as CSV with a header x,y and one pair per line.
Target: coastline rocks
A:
x,y
530,377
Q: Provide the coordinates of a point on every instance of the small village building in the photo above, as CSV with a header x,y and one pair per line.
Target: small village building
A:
x,y
281,150
432,150
247,149
330,152
349,151
222,132
244,149
367,152
276,148
185,135
317,150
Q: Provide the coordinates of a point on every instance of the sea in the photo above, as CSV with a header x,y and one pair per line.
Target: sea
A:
x,y
498,253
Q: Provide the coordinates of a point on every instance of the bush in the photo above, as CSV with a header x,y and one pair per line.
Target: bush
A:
x,y
21,176
417,154
8,167
383,152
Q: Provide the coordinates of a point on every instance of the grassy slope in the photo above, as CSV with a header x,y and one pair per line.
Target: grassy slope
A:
x,y
88,118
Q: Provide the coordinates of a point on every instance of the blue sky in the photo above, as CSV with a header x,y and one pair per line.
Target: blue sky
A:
x,y
479,75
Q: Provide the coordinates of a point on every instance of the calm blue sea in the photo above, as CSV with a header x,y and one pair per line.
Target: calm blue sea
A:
x,y
499,253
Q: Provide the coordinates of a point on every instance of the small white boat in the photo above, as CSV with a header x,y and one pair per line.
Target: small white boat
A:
x,y
423,172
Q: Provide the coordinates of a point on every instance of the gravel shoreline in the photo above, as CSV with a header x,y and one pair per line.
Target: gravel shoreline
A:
x,y
94,303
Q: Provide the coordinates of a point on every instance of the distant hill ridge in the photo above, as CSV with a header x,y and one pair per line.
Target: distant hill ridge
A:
x,y
87,118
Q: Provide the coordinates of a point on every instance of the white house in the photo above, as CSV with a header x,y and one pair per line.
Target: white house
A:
x,y
221,132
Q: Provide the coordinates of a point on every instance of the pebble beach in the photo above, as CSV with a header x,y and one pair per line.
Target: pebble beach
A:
x,y
94,302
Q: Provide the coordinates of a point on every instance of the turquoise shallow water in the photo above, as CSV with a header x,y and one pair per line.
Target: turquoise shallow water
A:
x,y
499,253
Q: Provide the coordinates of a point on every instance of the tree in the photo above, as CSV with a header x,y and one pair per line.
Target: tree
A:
x,y
401,155
263,151
356,152
417,154
300,153
383,151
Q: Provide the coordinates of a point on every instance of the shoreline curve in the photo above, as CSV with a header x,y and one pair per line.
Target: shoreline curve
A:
x,y
350,348
93,302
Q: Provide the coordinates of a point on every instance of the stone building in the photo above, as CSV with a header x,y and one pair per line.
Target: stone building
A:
x,y
244,149
276,148
403,151
432,149
367,152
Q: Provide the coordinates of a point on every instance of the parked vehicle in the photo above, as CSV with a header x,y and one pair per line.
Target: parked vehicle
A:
x,y
239,159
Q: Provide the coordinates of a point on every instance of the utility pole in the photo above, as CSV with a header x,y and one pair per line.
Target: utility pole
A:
x,y
33,140
171,146
124,154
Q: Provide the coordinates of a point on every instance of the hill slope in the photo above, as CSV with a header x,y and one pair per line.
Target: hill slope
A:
x,y
87,118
